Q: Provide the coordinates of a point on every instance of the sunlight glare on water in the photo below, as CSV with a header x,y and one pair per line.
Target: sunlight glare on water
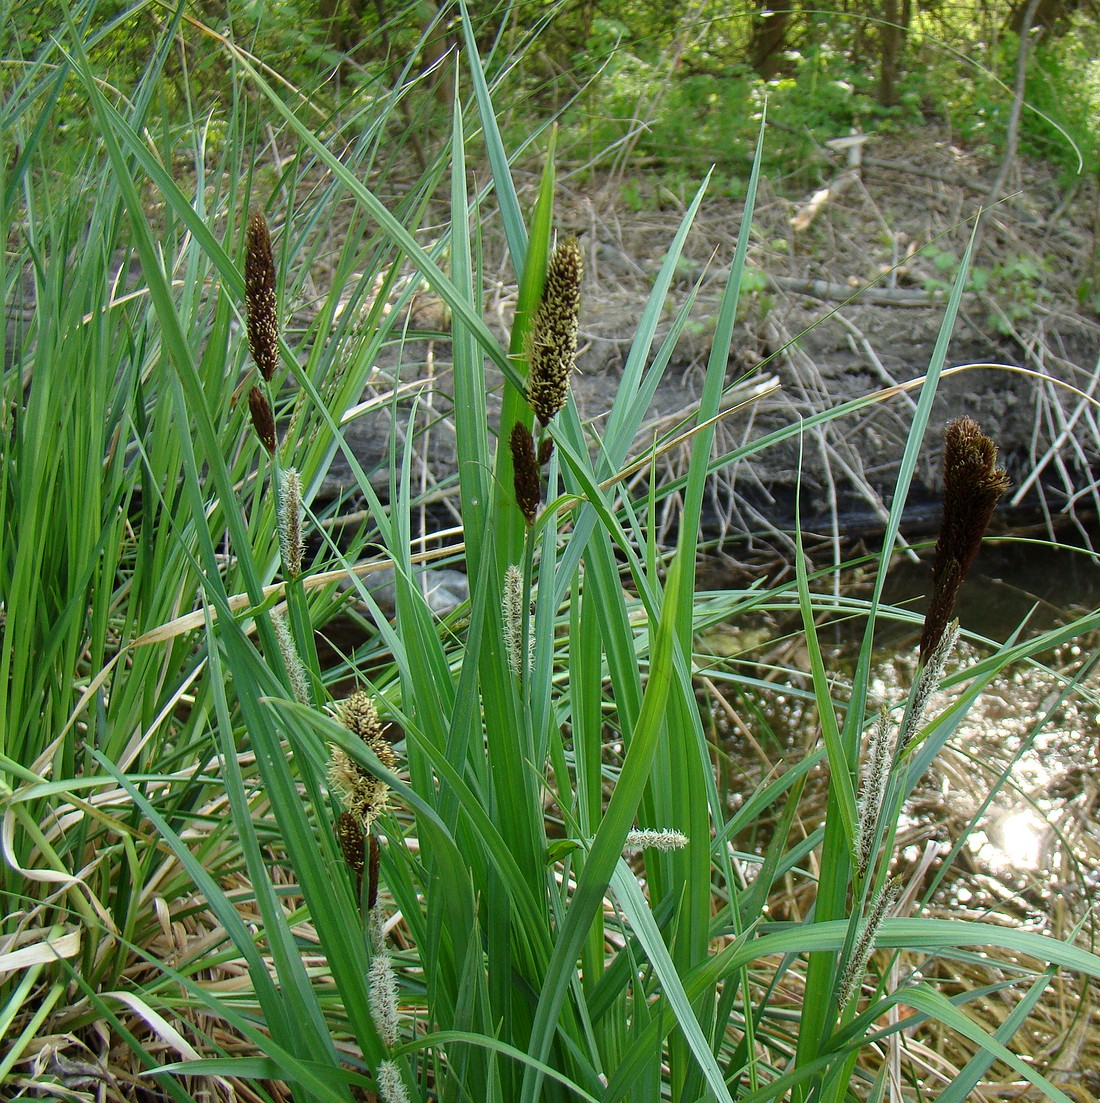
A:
x,y
1018,840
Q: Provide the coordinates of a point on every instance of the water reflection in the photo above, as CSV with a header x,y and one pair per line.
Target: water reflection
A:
x,y
1030,850
1013,841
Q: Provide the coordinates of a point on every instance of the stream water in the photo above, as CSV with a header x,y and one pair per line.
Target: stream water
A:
x,y
1018,779
1013,582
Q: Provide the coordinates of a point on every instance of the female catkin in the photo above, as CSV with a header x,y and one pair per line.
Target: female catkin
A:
x,y
259,295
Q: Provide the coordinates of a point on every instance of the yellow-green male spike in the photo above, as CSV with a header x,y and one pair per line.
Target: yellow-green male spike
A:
x,y
552,341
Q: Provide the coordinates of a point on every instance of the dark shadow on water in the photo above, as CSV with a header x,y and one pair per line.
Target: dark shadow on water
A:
x,y
1013,582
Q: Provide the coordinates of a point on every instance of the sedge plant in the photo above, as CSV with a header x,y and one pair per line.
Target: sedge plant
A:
x,y
482,856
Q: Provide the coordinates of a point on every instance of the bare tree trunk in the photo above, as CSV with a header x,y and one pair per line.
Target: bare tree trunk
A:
x,y
438,43
769,36
1053,16
893,31
1012,134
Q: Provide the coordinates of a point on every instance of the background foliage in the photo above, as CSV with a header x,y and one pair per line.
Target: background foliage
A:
x,y
675,80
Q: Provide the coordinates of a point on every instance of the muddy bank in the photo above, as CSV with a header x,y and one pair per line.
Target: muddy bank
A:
x,y
849,305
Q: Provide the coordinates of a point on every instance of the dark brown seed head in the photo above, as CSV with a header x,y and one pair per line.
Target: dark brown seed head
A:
x,y
350,837
372,873
262,418
552,341
525,471
259,295
972,486
546,450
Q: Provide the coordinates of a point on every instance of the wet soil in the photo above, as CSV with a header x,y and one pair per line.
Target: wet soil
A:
x,y
850,305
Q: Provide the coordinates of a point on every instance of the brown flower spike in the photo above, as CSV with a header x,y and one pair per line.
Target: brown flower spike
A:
x,y
350,837
972,486
262,418
372,872
525,471
259,295
552,341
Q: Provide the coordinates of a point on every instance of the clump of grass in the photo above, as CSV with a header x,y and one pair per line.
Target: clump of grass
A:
x,y
174,761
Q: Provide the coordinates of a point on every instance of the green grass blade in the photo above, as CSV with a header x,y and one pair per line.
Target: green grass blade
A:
x,y
608,843
928,1000
625,886
515,232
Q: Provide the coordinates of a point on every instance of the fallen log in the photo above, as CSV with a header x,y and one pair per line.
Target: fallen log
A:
x,y
869,294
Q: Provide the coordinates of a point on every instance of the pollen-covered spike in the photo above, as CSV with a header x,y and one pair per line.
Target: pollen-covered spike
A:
x,y
872,789
359,716
290,522
928,681
512,613
865,944
552,339
664,839
362,794
382,996
295,668
391,1088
